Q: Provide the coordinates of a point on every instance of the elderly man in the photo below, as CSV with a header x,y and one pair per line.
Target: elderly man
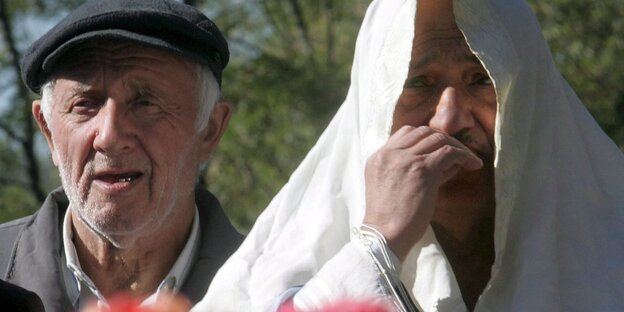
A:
x,y
461,172
129,108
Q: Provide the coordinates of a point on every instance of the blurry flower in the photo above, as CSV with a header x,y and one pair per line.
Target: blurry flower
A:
x,y
355,306
344,306
167,302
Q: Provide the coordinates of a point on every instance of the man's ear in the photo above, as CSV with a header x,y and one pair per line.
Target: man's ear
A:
x,y
43,126
219,118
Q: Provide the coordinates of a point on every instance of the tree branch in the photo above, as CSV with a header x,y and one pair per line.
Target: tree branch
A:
x,y
303,28
284,35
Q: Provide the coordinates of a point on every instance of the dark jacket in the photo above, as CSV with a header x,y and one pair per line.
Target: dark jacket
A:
x,y
31,247
15,298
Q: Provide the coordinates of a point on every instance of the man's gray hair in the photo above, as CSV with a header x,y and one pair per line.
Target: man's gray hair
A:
x,y
209,94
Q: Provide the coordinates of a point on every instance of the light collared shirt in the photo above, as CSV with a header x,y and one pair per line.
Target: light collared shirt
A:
x,y
81,289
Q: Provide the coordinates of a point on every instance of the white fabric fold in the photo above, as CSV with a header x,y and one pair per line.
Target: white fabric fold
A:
x,y
559,231
358,278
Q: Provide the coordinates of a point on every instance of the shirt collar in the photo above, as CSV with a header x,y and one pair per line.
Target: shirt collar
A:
x,y
80,287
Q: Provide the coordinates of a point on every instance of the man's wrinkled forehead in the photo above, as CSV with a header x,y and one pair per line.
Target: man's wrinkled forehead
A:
x,y
437,38
455,53
432,15
435,21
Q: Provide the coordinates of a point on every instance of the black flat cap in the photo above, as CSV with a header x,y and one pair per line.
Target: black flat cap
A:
x,y
169,25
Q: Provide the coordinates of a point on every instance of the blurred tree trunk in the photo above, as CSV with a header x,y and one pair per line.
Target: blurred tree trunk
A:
x,y
24,137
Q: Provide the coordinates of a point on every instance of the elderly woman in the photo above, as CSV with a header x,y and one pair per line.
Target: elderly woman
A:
x,y
461,173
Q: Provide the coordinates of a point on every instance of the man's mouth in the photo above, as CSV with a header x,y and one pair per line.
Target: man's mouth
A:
x,y
117,181
124,177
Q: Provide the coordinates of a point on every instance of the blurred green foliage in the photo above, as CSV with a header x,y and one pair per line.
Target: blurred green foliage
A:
x,y
587,42
16,202
288,74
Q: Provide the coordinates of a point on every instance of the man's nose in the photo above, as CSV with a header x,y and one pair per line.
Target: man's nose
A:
x,y
114,131
453,112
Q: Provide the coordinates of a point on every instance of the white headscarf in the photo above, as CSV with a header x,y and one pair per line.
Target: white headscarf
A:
x,y
559,230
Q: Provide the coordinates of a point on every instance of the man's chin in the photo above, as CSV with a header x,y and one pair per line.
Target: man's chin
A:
x,y
469,183
466,178
467,188
113,220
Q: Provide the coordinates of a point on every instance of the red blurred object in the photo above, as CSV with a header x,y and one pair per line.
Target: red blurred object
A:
x,y
287,306
126,303
355,306
119,303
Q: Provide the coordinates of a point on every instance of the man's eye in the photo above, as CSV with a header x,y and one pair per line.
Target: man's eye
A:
x,y
415,82
146,106
85,103
85,106
144,103
482,79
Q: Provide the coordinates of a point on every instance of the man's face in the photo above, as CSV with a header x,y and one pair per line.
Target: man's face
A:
x,y
448,90
122,133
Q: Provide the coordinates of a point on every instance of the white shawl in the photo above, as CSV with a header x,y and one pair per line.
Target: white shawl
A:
x,y
559,231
